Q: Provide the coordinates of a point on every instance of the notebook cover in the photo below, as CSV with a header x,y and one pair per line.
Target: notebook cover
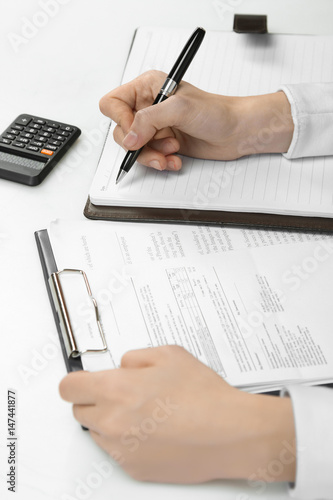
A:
x,y
209,217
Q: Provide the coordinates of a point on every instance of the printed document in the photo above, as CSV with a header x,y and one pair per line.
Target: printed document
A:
x,y
259,315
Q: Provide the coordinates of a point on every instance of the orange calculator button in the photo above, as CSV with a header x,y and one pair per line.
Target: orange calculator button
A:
x,y
47,152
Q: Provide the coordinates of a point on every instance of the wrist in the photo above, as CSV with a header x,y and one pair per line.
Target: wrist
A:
x,y
258,442
265,124
271,451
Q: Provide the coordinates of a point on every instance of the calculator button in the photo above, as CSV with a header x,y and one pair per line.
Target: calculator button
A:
x,y
23,140
17,127
45,134
11,137
23,120
52,124
36,126
49,129
39,122
64,133
58,138
33,148
27,136
47,152
67,128
55,143
13,132
31,130
5,141
37,143
40,139
50,147
19,144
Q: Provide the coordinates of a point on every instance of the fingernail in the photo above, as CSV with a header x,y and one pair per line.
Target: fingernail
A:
x,y
155,164
171,165
130,140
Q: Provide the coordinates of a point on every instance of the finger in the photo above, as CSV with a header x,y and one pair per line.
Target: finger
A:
x,y
118,110
82,387
159,155
141,358
87,415
151,158
138,358
76,387
148,121
119,134
167,145
107,445
137,94
99,439
119,104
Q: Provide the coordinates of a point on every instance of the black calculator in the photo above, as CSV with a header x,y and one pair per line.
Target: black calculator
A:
x,y
31,146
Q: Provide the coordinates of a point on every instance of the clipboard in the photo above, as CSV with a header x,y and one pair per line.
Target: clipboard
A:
x,y
75,354
67,320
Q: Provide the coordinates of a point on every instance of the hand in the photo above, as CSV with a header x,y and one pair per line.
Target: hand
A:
x,y
195,123
167,417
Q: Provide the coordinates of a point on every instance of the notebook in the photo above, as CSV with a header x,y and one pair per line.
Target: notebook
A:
x,y
213,291
254,190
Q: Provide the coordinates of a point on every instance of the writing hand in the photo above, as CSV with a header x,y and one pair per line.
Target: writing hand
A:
x,y
195,123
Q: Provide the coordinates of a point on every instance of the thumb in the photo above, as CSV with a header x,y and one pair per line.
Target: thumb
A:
x,y
148,121
139,358
150,356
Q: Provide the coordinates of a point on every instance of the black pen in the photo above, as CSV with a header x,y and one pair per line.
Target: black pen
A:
x,y
168,88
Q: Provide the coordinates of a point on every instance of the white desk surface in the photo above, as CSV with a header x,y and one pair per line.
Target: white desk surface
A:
x,y
60,72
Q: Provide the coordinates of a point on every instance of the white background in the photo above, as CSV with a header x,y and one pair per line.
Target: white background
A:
x,y
59,70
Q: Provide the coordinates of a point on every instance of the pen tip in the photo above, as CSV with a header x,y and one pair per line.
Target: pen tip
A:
x,y
120,176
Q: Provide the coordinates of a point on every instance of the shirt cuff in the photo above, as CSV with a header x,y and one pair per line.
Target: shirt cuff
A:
x,y
313,414
312,113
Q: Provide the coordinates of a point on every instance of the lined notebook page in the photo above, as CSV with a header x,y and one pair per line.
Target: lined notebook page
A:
x,y
230,64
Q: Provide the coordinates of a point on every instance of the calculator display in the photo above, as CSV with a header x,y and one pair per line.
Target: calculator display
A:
x,y
20,164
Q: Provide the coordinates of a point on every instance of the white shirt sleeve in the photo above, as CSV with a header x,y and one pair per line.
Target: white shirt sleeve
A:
x,y
312,112
313,415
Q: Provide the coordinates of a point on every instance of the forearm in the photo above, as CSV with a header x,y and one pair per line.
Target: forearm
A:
x,y
265,124
274,443
264,447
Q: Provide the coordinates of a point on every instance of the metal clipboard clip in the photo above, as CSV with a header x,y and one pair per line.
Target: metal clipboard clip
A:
x,y
67,325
